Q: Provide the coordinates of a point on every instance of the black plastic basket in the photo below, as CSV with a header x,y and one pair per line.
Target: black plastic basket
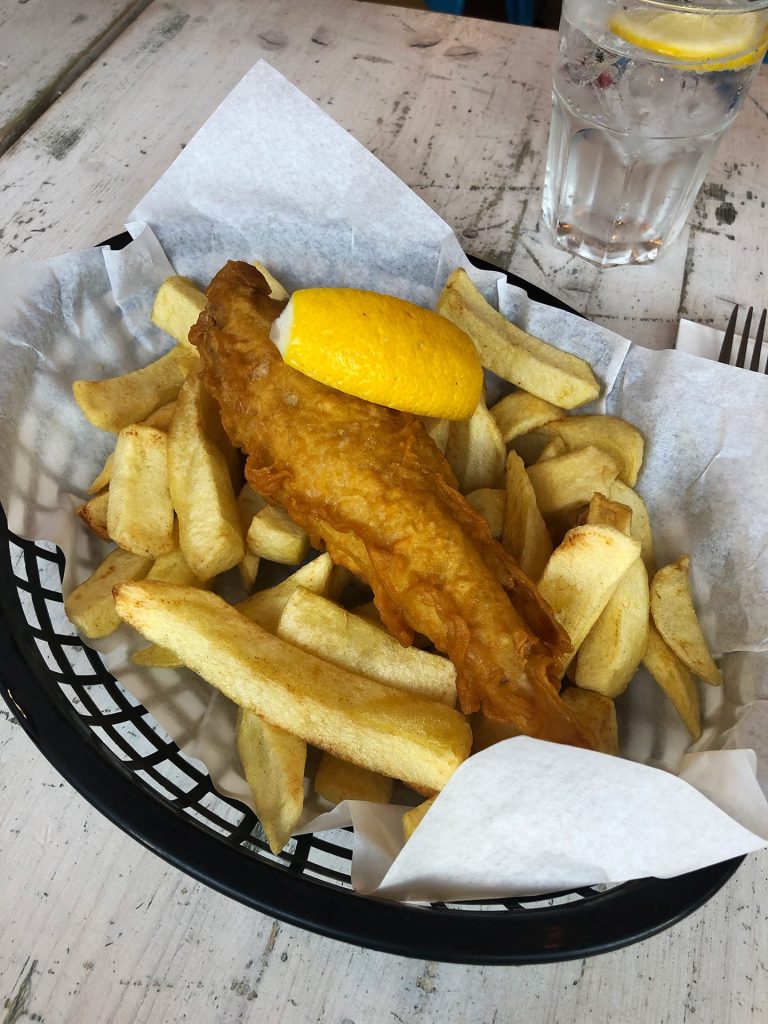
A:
x,y
114,753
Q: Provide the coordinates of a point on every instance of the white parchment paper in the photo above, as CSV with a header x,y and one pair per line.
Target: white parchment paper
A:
x,y
271,177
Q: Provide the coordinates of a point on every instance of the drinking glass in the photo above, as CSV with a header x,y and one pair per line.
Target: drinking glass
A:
x,y
643,92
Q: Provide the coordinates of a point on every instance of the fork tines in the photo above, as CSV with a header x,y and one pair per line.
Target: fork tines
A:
x,y
741,355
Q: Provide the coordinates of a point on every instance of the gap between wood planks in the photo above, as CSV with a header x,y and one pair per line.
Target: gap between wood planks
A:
x,y
50,92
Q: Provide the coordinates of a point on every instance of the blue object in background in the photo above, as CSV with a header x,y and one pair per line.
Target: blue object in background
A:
x,y
520,12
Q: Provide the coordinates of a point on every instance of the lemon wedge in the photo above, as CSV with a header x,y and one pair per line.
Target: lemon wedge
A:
x,y
382,349
717,40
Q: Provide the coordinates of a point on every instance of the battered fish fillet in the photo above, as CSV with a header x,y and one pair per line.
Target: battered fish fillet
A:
x,y
368,484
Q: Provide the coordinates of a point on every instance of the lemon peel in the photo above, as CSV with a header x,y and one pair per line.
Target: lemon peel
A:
x,y
382,349
715,41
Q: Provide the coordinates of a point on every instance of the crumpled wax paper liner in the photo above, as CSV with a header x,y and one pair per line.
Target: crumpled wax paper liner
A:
x,y
271,177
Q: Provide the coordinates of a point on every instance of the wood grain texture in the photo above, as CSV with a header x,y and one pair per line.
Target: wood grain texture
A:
x,y
44,47
458,108
92,926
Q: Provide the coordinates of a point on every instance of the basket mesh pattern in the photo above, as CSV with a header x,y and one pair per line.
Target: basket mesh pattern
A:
x,y
94,701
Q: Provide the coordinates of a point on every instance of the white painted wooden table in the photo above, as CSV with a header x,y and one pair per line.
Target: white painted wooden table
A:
x,y
92,926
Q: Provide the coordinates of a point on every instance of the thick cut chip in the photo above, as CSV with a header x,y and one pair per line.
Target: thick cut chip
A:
x,y
174,568
102,478
274,535
554,447
475,451
276,289
490,502
438,430
91,606
161,418
359,720
248,504
612,651
337,780
568,481
120,401
178,304
597,715
581,575
675,618
525,535
201,487
528,362
140,513
321,627
675,679
94,514
519,413
641,523
604,511
620,439
413,818
273,761
266,606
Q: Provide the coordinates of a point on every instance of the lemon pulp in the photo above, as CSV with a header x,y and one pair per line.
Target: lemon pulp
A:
x,y
382,349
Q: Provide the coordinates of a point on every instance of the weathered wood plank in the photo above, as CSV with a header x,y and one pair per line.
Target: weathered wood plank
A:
x,y
45,47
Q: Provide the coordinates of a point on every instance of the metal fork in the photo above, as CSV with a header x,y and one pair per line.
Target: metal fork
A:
x,y
741,355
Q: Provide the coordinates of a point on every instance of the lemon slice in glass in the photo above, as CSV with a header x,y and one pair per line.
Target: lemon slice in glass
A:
x,y
715,40
381,348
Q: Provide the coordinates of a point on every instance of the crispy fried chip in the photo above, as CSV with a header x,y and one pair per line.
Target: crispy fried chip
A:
x,y
675,679
530,363
359,720
675,618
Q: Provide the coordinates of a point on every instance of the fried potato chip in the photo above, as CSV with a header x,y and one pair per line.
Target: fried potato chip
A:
x,y
554,447
337,780
524,534
276,290
611,653
475,451
604,511
178,304
675,679
161,418
519,413
438,430
91,606
274,535
321,627
320,576
596,714
174,568
490,502
613,649
530,363
248,504
641,523
623,442
675,618
359,720
568,481
139,513
413,818
101,480
581,575
120,401
273,763
94,514
201,487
